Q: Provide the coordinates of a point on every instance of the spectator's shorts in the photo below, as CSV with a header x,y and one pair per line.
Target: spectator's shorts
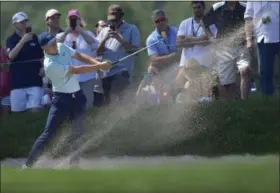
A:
x,y
26,98
5,101
229,61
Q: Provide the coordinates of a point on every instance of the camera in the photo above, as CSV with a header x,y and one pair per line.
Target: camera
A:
x,y
112,25
28,29
73,23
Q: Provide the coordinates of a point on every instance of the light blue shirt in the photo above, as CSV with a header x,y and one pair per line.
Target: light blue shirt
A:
x,y
114,50
57,70
167,46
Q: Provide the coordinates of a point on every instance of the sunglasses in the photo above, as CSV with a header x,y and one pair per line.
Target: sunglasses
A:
x,y
74,45
160,20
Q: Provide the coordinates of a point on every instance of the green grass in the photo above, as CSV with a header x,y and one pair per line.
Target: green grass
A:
x,y
218,128
219,177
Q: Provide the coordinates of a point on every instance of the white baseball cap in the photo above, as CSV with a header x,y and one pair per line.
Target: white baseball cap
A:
x,y
19,17
51,12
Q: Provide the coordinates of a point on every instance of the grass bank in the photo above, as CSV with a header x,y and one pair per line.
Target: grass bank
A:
x,y
218,128
254,176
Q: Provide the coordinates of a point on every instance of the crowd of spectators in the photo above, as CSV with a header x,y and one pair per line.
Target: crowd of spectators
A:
x,y
193,61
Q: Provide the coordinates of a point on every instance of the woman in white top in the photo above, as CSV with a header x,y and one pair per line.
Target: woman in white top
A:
x,y
83,41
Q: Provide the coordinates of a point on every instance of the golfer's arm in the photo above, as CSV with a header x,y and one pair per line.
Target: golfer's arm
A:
x,y
249,27
85,59
84,69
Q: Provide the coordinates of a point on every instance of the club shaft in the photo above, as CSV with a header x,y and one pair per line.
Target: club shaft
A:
x,y
136,52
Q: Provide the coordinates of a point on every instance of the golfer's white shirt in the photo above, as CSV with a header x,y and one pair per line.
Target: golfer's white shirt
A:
x,y
57,70
197,52
258,10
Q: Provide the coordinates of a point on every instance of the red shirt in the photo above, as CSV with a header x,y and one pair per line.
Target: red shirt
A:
x,y
4,74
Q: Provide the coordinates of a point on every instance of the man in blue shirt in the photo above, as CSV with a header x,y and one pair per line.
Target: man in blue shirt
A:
x,y
116,41
25,55
163,55
68,98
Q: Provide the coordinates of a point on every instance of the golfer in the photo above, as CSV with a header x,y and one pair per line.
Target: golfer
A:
x,y
68,99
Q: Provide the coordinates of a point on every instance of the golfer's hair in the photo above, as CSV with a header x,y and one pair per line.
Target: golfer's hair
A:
x,y
201,2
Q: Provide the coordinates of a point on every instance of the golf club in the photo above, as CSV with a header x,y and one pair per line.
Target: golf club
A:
x,y
163,34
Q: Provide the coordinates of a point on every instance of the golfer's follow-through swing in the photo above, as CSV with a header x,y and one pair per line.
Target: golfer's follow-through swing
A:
x,y
68,98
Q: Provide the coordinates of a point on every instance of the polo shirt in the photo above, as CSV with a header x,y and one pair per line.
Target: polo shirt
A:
x,y
164,47
189,27
225,19
114,50
57,70
25,68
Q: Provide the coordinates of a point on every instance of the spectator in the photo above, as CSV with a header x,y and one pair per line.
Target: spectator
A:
x,y
148,91
190,33
4,83
163,55
262,19
25,55
83,41
199,84
228,17
52,19
99,26
117,41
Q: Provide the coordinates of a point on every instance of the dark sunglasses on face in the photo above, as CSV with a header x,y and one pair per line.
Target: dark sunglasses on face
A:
x,y
74,46
160,20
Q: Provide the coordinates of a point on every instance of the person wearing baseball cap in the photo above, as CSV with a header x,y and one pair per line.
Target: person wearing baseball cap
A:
x,y
52,20
68,98
84,41
25,54
118,40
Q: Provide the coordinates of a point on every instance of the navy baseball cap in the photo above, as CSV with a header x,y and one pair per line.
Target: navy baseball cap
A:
x,y
47,39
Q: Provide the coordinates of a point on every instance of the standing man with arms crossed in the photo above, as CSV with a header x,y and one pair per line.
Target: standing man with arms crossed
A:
x,y
262,20
193,38
68,98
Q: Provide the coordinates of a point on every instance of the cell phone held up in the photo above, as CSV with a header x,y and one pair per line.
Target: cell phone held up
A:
x,y
73,23
112,25
28,30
